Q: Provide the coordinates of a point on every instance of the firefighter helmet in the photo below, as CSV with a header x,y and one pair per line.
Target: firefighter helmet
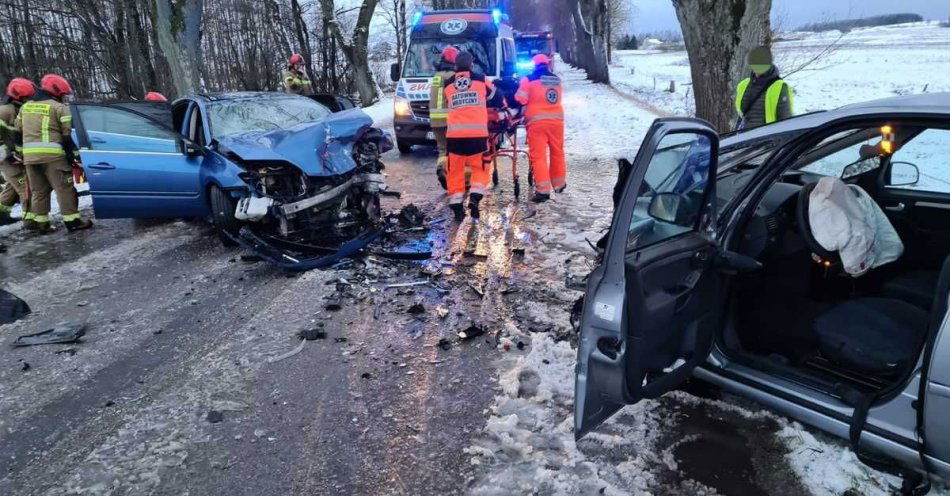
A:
x,y
154,96
296,59
449,54
55,85
20,89
541,59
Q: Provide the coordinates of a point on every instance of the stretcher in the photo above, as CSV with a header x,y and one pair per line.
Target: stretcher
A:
x,y
503,124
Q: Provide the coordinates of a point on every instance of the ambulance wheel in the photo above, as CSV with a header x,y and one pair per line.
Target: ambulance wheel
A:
x,y
222,211
404,147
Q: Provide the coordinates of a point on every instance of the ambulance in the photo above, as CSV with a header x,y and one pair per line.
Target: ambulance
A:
x,y
486,34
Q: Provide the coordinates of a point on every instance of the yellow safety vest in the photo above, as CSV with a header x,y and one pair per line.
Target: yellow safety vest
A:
x,y
772,96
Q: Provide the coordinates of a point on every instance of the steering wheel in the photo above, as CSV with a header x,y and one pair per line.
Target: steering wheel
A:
x,y
804,226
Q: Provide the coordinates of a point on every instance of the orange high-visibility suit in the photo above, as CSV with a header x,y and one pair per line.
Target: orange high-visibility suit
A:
x,y
467,96
541,92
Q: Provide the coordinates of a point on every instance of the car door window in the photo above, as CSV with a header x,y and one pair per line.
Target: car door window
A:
x,y
113,129
929,152
848,161
670,200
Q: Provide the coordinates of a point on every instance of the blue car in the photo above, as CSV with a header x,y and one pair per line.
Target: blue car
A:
x,y
275,172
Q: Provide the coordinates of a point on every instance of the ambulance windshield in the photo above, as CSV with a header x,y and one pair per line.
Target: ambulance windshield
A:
x,y
424,54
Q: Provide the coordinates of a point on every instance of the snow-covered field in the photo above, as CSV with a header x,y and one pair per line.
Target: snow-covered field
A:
x,y
864,64
528,445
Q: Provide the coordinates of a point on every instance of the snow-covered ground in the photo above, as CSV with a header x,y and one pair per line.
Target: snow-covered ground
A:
x,y
528,445
864,64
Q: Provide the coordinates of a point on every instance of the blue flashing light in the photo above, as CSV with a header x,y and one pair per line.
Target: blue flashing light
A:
x,y
525,65
416,18
496,16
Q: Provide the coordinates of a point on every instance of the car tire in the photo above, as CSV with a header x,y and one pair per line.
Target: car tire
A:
x,y
404,147
222,215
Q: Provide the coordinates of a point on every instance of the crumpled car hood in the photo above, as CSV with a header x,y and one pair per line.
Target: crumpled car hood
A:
x,y
322,148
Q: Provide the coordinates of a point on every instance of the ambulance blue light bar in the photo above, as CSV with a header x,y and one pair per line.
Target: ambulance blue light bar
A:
x,y
496,16
416,17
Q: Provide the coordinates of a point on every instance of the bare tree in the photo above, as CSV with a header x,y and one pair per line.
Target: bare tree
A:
x,y
718,35
619,15
356,47
178,27
395,14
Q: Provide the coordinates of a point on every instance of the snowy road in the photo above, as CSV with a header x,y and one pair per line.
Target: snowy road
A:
x,y
179,326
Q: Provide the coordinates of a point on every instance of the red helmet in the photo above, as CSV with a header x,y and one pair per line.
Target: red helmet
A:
x,y
541,59
55,85
449,54
20,89
296,59
154,96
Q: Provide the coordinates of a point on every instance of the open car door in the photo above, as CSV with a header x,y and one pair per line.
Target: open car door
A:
x,y
653,306
137,165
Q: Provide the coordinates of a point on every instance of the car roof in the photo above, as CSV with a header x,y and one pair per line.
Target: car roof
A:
x,y
242,95
935,104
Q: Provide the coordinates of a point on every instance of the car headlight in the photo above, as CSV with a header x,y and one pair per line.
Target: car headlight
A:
x,y
401,107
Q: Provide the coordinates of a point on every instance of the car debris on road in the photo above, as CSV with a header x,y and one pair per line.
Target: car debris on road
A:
x,y
65,332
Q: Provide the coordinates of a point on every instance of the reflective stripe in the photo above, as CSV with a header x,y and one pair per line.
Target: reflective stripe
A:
x,y
438,114
456,198
772,97
5,209
42,144
540,117
478,189
740,94
460,127
41,219
71,217
66,119
41,148
29,216
4,125
44,129
522,94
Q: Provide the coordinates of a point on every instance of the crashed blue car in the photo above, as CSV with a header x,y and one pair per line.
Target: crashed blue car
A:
x,y
286,175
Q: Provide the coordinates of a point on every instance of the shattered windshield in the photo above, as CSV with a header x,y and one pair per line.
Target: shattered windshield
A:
x,y
241,116
424,55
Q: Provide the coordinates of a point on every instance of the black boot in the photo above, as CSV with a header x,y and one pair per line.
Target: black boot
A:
x,y
540,197
77,225
458,211
473,202
560,189
43,227
6,219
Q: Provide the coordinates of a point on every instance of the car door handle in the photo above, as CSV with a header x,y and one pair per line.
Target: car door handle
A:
x,y
102,166
895,208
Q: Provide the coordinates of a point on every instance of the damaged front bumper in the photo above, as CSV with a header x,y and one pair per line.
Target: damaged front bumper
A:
x,y
278,256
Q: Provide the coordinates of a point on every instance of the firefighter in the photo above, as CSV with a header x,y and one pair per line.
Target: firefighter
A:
x,y
438,112
16,187
541,93
763,97
467,96
45,125
154,96
295,79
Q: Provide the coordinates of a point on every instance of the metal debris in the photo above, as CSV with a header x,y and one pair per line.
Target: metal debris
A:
x,y
66,332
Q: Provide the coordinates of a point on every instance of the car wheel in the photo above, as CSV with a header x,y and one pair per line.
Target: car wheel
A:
x,y
222,211
403,147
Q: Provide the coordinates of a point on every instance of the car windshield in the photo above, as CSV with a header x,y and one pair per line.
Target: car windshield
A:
x,y
424,55
532,46
269,114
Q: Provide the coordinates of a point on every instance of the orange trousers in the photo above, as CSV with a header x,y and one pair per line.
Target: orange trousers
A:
x,y
544,136
481,176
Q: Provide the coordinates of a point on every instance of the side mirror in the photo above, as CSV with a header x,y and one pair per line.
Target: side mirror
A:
x,y
394,72
192,149
667,207
903,174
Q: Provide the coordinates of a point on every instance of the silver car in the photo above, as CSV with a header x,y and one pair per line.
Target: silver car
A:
x,y
711,269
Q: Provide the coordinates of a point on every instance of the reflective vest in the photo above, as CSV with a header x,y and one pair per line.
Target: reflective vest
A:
x,y
45,126
541,93
8,132
438,112
772,96
296,82
467,97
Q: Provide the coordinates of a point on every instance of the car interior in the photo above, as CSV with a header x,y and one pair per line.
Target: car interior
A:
x,y
802,315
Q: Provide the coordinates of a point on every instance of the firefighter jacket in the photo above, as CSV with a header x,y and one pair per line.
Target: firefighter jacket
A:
x,y
438,111
541,93
467,96
296,82
9,134
763,100
45,126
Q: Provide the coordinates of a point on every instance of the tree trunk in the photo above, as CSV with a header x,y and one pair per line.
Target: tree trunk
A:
x,y
586,47
356,49
718,35
178,26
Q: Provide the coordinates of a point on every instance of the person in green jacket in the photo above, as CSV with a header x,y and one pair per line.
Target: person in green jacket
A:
x,y
763,97
438,110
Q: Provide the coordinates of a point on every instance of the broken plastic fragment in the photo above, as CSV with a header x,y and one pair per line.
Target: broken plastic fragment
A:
x,y
441,311
66,332
410,216
472,331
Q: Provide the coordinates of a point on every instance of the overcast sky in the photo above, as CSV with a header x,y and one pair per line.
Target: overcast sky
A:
x,y
657,15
